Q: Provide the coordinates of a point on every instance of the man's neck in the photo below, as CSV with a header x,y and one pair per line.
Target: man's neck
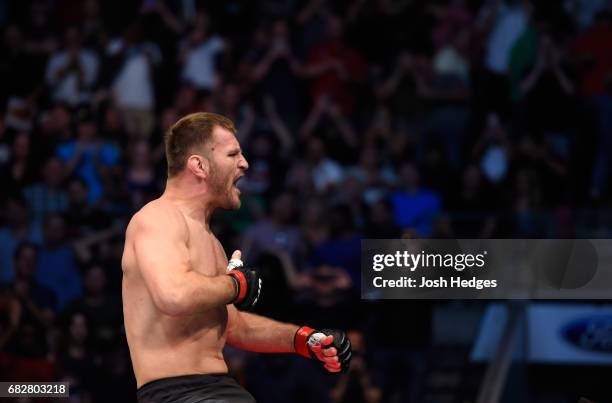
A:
x,y
191,197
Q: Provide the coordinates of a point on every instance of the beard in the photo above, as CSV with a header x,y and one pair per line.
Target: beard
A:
x,y
223,188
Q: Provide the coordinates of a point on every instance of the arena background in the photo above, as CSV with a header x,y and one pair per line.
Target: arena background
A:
x,y
360,119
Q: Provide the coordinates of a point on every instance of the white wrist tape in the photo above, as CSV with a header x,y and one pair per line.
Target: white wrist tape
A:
x,y
234,264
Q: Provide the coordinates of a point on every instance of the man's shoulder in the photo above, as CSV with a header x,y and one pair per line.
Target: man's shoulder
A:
x,y
157,207
157,213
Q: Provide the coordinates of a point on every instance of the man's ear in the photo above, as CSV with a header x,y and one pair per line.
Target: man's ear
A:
x,y
199,166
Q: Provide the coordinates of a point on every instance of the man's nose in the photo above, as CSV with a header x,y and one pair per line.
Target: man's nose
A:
x,y
244,165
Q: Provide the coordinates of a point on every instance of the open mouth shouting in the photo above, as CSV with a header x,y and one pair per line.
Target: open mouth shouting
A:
x,y
235,183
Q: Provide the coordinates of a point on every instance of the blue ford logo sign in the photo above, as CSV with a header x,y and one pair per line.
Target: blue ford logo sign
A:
x,y
592,333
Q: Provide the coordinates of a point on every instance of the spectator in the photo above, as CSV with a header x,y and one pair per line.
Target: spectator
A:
x,y
444,82
414,207
57,265
199,55
82,217
112,126
266,172
92,25
352,196
359,384
40,30
299,180
585,11
20,170
20,112
502,22
75,357
275,232
272,67
132,84
229,103
327,118
312,223
373,174
551,166
473,206
334,68
590,51
397,89
89,157
10,315
528,219
452,20
140,178
380,221
37,306
341,248
55,128
436,170
326,173
326,295
72,71
48,196
493,150
186,100
101,309
549,84
17,230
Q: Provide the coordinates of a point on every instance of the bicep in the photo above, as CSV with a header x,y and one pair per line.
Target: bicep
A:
x,y
161,252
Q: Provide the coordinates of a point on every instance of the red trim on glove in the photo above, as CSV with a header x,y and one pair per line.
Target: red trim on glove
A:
x,y
300,339
242,282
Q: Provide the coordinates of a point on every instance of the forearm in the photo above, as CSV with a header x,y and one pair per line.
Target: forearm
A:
x,y
210,292
331,348
528,83
246,126
197,293
263,335
564,81
390,85
262,68
308,11
282,133
345,129
72,163
316,69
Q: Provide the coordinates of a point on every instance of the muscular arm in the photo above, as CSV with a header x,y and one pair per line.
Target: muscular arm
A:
x,y
255,333
160,246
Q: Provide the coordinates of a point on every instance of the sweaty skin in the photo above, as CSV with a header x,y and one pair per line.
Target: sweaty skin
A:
x,y
176,293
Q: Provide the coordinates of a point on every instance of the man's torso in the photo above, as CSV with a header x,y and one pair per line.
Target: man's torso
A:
x,y
163,346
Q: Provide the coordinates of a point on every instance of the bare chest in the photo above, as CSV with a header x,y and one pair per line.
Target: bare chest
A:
x,y
205,252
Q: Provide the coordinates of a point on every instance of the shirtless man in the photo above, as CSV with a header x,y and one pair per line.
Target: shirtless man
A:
x,y
182,301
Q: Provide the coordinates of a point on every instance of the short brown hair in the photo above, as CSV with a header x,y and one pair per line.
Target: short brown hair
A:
x,y
188,132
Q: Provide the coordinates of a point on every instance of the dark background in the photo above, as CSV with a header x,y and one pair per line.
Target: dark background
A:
x,y
360,119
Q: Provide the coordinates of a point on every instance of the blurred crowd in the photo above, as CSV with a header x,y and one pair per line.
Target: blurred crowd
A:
x,y
360,119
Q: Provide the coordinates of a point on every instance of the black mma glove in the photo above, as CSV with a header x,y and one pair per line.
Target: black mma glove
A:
x,y
247,283
330,347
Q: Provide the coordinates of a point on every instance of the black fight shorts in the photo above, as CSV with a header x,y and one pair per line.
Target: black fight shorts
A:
x,y
217,388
